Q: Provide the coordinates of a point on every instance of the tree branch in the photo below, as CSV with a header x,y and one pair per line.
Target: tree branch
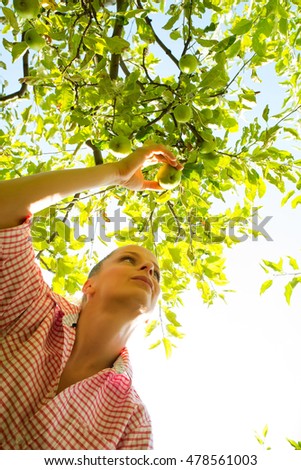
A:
x,y
186,45
118,28
149,124
96,153
77,55
23,89
287,115
158,40
176,219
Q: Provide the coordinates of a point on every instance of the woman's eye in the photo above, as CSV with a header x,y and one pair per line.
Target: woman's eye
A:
x,y
158,275
126,257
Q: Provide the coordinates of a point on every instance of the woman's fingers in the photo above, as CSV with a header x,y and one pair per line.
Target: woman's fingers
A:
x,y
152,185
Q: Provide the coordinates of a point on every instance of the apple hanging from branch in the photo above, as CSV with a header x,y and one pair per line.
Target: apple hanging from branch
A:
x,y
27,8
120,145
188,63
182,113
34,40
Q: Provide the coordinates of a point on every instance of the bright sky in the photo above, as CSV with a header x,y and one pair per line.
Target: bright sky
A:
x,y
238,367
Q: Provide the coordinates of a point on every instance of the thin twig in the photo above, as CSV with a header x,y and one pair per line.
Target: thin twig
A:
x,y
186,45
151,123
287,274
23,89
233,79
287,115
77,55
158,40
176,219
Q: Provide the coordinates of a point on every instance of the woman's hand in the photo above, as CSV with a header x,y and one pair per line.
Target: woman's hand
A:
x,y
130,168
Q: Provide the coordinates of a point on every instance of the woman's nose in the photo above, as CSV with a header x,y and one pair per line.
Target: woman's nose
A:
x,y
148,266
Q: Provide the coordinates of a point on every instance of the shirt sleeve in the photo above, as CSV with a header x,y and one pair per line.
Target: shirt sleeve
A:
x,y
138,434
21,280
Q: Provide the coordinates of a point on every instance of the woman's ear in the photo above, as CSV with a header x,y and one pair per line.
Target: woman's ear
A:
x,y
88,287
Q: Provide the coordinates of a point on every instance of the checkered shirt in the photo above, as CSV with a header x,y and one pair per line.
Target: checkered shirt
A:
x,y
101,412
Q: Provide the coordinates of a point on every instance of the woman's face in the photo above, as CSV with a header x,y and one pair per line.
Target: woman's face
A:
x,y
117,280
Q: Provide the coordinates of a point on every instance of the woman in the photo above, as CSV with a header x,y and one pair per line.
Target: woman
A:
x,y
67,375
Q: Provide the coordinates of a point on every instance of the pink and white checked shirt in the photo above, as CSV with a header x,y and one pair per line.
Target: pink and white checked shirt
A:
x,y
100,412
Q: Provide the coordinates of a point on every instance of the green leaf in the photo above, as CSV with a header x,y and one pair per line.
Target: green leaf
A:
x,y
224,44
265,286
172,20
168,347
265,113
292,131
18,49
293,263
274,266
171,316
294,444
207,42
11,18
155,345
40,125
282,11
175,34
261,442
164,197
287,196
150,327
117,45
259,43
242,27
283,26
98,45
261,187
288,290
265,430
172,329
211,6
216,77
296,201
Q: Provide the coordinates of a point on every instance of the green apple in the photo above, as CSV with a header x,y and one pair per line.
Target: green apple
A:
x,y
188,63
168,176
27,8
120,145
34,40
183,113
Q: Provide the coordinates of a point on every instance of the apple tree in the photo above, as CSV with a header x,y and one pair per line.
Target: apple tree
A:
x,y
95,79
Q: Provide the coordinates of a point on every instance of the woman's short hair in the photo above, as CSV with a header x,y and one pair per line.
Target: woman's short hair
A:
x,y
95,270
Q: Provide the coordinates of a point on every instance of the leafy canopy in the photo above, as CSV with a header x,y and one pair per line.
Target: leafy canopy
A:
x,y
114,70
